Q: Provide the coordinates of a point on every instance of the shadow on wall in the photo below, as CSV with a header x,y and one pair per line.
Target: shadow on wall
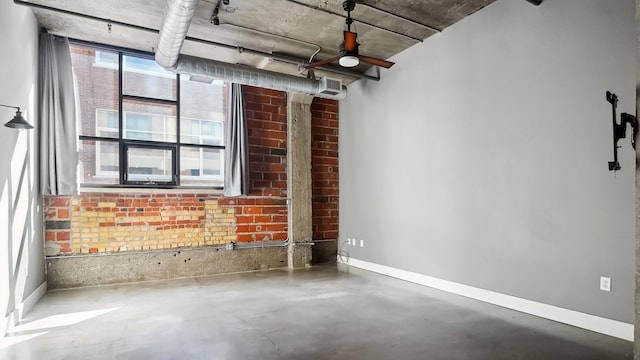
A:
x,y
20,213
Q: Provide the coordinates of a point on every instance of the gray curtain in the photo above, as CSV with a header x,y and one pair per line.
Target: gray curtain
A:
x,y
57,132
236,164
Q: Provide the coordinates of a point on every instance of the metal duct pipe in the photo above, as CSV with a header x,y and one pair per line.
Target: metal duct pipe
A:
x,y
175,24
177,19
245,75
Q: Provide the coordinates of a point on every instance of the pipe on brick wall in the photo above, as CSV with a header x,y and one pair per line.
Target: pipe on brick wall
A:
x,y
175,24
261,244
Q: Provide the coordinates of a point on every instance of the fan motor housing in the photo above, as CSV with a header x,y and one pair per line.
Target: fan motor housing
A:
x,y
348,5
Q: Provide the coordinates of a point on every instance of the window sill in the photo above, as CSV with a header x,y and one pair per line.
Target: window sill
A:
x,y
129,190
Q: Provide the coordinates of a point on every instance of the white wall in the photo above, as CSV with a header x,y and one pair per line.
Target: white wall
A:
x,y
21,240
481,156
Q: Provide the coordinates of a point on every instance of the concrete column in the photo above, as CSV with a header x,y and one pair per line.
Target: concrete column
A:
x,y
299,179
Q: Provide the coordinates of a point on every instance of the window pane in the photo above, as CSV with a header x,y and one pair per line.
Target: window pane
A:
x,y
149,121
106,123
152,165
200,166
144,77
201,132
202,112
99,162
96,75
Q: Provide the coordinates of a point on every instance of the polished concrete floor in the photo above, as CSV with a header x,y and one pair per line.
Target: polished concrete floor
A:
x,y
317,313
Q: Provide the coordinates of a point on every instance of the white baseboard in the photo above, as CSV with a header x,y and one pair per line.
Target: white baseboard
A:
x,y
13,318
24,307
598,324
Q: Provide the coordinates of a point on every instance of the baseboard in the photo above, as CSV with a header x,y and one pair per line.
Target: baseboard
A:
x,y
31,301
14,317
598,324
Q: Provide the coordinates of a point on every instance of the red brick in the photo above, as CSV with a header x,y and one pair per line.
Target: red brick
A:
x,y
63,235
59,201
65,247
252,210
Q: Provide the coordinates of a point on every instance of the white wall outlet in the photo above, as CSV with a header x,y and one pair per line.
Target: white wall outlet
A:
x,y
349,241
361,243
605,283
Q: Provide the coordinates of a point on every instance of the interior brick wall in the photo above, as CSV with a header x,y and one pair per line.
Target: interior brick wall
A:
x,y
106,222
324,168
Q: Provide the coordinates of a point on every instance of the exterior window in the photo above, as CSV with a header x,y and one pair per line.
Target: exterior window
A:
x,y
142,126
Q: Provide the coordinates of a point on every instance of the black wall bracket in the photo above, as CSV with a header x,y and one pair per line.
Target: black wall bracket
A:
x,y
620,130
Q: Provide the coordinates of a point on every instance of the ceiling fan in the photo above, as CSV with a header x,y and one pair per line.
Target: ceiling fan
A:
x,y
348,55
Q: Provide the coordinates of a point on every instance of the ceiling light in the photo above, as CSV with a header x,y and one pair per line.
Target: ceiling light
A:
x,y
18,122
349,61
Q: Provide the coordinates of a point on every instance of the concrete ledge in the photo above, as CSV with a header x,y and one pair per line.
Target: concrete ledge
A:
x,y
90,270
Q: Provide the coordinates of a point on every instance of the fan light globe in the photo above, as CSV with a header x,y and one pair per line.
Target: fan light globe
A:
x,y
349,61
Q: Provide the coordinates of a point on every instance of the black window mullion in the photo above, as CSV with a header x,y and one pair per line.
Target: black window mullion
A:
x,y
178,133
121,120
147,99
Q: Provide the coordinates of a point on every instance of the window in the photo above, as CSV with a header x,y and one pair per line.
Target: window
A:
x,y
142,126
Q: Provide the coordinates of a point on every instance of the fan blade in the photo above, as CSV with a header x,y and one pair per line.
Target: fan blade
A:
x,y
379,62
350,41
322,62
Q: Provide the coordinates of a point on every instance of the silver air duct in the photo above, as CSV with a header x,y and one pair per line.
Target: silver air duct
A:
x,y
246,75
175,24
177,18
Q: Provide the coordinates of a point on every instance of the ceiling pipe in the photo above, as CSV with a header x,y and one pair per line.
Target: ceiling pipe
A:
x,y
246,75
175,25
280,57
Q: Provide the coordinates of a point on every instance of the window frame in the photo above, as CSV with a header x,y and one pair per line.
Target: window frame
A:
x,y
124,144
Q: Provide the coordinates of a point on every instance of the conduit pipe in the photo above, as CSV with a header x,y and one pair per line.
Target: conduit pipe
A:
x,y
175,24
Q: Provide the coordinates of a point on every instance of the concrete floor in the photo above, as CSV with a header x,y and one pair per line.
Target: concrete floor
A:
x,y
319,313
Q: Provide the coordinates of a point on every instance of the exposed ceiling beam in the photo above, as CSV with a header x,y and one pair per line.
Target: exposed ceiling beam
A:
x,y
240,49
400,17
356,20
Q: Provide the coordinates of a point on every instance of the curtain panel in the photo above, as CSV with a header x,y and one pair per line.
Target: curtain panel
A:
x,y
236,174
57,132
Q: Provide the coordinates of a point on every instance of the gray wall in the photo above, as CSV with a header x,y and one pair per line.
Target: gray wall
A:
x,y
21,239
481,156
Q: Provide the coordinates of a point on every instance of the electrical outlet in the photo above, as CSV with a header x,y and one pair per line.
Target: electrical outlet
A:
x,y
605,283
361,243
349,241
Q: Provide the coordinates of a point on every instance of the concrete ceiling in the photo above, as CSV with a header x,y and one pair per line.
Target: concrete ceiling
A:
x,y
291,30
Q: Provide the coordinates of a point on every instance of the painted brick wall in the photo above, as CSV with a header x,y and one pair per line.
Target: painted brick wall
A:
x,y
107,222
324,168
